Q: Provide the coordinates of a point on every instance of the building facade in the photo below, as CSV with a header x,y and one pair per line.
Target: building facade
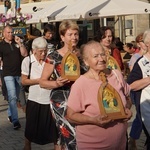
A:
x,y
133,25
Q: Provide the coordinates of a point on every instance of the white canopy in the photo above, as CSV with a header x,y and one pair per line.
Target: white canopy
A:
x,y
92,9
50,10
32,8
28,7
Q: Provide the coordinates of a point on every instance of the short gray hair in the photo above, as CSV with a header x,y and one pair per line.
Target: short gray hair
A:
x,y
146,36
39,43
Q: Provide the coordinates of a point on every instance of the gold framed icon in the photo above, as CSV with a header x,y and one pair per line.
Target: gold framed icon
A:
x,y
70,66
110,102
112,63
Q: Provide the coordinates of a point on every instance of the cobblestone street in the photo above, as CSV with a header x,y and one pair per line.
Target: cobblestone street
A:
x,y
11,139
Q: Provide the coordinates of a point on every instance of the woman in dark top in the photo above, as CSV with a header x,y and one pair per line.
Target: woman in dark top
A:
x,y
105,36
51,79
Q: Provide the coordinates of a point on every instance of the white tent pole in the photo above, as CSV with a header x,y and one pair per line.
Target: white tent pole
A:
x,y
120,25
124,31
105,22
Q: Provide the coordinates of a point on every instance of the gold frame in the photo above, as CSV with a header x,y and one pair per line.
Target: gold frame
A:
x,y
114,114
70,66
114,62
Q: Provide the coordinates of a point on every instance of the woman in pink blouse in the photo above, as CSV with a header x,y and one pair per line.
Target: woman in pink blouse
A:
x,y
93,130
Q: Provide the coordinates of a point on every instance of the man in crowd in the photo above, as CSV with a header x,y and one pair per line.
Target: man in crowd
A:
x,y
11,52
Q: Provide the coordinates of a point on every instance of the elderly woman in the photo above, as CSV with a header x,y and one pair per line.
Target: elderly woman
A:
x,y
40,127
93,130
139,81
51,79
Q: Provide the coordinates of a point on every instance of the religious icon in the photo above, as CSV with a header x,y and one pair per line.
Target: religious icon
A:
x,y
109,100
112,63
70,66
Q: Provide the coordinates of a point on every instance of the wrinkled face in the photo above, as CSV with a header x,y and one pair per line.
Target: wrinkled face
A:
x,y
107,40
48,35
40,53
71,35
96,58
8,34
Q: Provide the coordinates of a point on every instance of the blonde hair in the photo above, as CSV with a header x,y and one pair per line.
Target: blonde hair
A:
x,y
146,36
139,38
67,24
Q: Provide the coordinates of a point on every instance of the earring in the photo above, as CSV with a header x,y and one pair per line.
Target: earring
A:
x,y
87,67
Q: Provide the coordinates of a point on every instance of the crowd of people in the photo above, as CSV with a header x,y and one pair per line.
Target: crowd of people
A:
x,y
80,114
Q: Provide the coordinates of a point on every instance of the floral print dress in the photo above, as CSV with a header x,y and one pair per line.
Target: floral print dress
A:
x,y
58,100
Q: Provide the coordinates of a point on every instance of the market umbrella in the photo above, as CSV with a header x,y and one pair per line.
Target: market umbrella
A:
x,y
94,9
49,12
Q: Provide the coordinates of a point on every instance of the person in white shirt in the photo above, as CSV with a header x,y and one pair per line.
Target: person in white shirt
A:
x,y
40,127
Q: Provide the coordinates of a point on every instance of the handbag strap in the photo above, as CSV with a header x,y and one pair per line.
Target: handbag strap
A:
x,y
29,67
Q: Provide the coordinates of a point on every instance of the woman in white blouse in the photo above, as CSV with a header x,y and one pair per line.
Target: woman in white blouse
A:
x,y
40,127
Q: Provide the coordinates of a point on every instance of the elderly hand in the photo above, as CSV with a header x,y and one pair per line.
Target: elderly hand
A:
x,y
61,81
102,120
18,40
128,113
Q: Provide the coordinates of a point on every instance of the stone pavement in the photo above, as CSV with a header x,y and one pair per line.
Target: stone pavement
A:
x,y
140,143
11,139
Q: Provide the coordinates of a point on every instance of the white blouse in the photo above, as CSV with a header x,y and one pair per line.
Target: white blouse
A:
x,y
36,93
